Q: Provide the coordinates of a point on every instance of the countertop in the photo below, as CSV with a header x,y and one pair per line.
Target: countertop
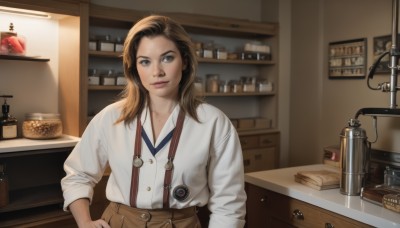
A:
x,y
282,181
23,144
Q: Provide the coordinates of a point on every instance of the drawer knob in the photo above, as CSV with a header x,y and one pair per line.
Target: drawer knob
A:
x,y
328,225
297,214
263,199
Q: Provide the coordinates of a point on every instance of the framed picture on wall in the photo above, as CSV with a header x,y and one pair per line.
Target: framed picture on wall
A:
x,y
382,44
348,59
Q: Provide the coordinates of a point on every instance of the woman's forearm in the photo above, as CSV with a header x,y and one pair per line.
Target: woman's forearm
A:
x,y
80,210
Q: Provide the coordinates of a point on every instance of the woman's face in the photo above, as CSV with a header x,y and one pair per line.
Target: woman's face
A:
x,y
160,65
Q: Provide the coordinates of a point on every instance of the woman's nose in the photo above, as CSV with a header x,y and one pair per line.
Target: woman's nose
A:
x,y
158,70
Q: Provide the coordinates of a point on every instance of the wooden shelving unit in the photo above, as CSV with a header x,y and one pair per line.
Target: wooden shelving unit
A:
x,y
24,58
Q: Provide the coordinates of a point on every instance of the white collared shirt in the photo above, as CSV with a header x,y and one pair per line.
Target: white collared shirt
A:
x,y
208,161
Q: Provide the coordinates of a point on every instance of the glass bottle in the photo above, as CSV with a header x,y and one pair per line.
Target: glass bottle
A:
x,y
4,200
8,124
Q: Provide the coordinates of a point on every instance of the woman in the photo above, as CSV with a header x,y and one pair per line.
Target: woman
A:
x,y
168,151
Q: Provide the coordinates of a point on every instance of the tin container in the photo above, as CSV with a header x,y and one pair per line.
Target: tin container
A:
x,y
42,126
353,150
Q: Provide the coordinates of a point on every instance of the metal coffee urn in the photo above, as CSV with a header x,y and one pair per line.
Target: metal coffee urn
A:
x,y
353,153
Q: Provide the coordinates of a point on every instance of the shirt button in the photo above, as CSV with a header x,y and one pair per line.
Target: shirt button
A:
x,y
151,161
148,189
145,217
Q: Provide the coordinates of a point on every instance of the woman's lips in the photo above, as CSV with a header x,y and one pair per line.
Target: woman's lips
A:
x,y
159,84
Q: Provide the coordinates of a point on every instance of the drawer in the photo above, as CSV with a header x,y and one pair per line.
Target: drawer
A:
x,y
301,214
269,140
259,159
250,141
257,141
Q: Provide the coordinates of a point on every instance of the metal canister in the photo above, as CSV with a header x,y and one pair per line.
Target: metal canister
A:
x,y
353,151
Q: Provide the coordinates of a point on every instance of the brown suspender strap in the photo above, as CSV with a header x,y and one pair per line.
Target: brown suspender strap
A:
x,y
171,156
135,170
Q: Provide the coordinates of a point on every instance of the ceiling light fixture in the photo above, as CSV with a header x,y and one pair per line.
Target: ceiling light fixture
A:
x,y
24,12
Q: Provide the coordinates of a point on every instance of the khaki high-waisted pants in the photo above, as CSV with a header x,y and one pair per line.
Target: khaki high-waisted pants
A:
x,y
119,215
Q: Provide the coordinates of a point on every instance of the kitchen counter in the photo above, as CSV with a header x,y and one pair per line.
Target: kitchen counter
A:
x,y
282,181
23,144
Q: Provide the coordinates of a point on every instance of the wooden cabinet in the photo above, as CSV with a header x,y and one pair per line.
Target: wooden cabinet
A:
x,y
266,208
260,151
35,196
34,176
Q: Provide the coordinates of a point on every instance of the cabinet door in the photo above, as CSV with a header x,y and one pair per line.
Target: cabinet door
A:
x,y
257,207
270,209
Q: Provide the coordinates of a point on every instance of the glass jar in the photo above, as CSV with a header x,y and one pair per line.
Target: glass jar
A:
x,y
212,83
237,86
42,126
108,78
198,85
93,77
208,52
224,87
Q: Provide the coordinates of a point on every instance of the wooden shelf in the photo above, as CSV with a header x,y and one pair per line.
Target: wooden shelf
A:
x,y
107,54
112,87
105,87
24,58
34,217
34,197
254,131
243,94
236,61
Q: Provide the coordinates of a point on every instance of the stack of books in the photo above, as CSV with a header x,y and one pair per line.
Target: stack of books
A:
x,y
319,179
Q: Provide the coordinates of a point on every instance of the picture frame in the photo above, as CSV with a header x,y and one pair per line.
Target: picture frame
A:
x,y
348,59
382,44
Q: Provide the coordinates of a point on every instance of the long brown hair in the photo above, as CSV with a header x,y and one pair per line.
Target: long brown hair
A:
x,y
135,95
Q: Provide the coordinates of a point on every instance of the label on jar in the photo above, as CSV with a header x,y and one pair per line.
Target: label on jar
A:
x,y
9,131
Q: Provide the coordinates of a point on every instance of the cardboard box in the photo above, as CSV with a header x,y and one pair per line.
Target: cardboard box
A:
x,y
245,123
262,123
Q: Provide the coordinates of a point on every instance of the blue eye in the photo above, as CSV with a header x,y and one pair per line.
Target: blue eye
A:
x,y
168,58
144,62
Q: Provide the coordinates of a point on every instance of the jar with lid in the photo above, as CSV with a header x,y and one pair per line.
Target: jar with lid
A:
x,y
119,44
198,46
198,85
264,86
208,52
224,87
221,53
212,83
105,44
42,126
93,77
121,79
237,86
108,78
